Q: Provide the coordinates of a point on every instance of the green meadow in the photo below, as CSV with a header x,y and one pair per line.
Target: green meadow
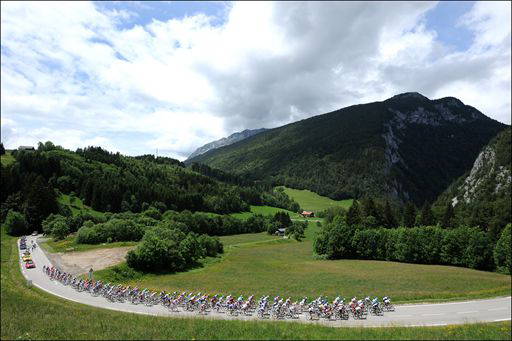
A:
x,y
32,314
311,201
77,206
263,210
264,265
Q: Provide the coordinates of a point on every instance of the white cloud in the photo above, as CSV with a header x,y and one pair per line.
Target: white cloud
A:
x,y
70,74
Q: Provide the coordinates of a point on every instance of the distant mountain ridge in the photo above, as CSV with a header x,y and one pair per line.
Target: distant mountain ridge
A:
x,y
226,141
407,147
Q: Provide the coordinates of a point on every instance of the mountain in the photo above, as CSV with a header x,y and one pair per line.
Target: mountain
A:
x,y
226,141
482,195
407,147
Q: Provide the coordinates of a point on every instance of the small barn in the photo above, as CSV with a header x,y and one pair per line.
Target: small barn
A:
x,y
307,214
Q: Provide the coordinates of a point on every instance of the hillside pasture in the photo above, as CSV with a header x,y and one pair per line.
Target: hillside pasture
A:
x,y
310,201
263,210
77,206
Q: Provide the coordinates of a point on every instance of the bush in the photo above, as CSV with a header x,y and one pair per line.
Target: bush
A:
x,y
16,224
161,250
502,256
60,230
211,245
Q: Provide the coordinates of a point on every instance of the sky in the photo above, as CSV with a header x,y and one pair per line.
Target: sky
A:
x,y
142,76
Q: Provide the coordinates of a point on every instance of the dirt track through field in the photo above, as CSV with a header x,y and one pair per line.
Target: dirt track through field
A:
x,y
80,262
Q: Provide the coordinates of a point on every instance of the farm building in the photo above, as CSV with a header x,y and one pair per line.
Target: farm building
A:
x,y
307,214
26,148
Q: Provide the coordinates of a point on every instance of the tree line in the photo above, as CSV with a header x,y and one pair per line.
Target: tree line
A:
x,y
372,231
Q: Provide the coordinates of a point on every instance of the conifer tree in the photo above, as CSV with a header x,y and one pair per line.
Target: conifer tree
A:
x,y
389,217
448,216
427,217
409,217
354,214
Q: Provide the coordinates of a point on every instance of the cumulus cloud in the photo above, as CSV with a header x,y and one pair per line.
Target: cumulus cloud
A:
x,y
71,74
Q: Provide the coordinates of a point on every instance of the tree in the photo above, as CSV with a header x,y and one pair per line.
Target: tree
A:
x,y
16,224
502,256
409,215
335,240
41,201
448,216
370,209
389,217
296,230
426,216
354,214
283,219
2,149
60,230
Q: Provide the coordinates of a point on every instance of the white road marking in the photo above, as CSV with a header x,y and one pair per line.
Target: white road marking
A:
x,y
432,314
495,309
467,312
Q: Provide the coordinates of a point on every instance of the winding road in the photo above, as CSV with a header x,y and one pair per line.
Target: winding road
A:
x,y
439,314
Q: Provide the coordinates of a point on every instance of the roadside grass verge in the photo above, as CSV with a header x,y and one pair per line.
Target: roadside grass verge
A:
x,y
310,201
30,313
288,268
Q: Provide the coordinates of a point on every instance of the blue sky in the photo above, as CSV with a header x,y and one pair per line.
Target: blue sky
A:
x,y
146,11
443,20
139,76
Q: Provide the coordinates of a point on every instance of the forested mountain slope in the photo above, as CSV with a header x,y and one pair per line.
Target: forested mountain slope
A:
x,y
407,148
482,195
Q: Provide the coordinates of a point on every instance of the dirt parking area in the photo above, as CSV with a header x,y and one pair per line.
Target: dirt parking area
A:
x,y
80,262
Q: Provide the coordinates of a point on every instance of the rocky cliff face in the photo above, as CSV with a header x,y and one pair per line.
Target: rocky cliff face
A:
x,y
226,141
490,175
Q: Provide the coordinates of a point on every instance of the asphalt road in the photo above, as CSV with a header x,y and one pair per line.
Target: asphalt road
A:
x,y
439,314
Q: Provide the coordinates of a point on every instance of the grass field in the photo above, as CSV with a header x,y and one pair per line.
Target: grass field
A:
x,y
288,268
7,158
239,239
310,201
68,245
77,206
264,210
29,313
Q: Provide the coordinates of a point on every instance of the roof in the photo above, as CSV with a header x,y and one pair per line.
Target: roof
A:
x,y
306,212
281,230
25,147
